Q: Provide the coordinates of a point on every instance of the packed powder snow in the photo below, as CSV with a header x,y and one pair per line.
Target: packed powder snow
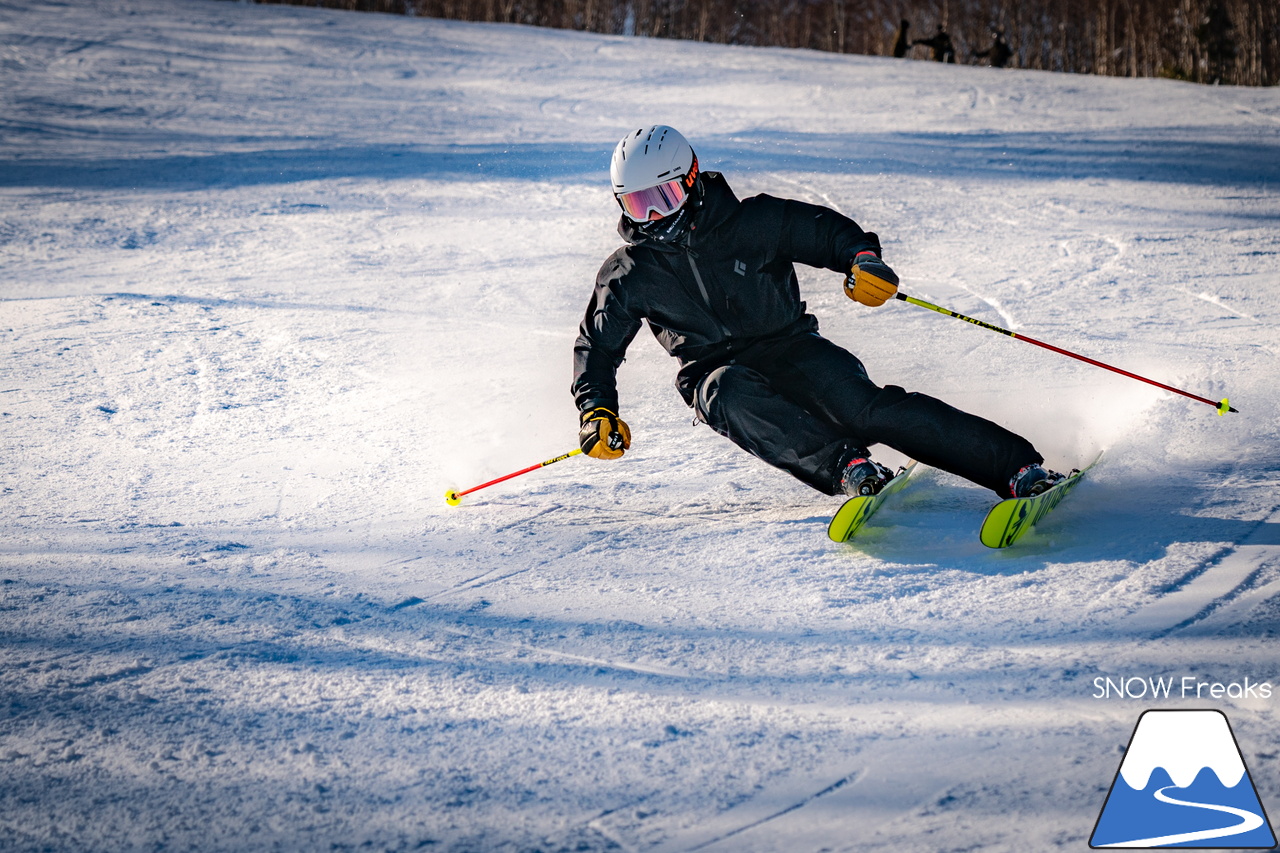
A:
x,y
277,277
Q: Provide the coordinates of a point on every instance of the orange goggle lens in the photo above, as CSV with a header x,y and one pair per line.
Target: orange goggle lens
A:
x,y
653,202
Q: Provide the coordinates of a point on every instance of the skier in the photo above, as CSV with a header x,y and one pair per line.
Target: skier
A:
x,y
902,41
1000,53
714,277
940,46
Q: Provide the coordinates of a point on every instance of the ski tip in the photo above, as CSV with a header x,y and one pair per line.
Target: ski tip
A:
x,y
451,498
1225,407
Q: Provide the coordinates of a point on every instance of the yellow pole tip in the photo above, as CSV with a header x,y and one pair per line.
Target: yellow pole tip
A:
x,y
451,498
1223,407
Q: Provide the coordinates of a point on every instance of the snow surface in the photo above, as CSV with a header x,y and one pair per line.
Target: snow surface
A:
x,y
275,278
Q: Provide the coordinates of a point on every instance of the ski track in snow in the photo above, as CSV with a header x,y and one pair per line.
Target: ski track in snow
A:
x,y
277,277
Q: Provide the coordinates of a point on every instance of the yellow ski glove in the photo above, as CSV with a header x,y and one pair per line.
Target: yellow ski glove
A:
x,y
870,282
603,435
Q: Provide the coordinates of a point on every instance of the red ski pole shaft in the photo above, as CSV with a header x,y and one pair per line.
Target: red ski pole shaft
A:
x,y
1222,405
453,498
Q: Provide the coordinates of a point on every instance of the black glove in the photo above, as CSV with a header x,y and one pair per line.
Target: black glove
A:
x,y
870,282
603,435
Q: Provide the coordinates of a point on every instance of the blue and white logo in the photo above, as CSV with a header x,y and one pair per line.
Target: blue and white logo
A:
x,y
1183,783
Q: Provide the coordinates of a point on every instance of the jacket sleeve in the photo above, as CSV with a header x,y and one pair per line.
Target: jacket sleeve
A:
x,y
607,329
821,237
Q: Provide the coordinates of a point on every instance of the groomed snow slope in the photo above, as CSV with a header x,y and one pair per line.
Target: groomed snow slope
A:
x,y
275,278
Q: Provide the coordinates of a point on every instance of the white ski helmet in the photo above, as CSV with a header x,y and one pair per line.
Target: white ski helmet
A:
x,y
653,170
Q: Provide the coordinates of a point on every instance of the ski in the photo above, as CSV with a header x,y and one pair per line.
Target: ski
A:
x,y
854,512
1010,519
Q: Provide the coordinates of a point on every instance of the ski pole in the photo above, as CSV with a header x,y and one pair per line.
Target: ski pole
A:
x,y
1222,406
454,498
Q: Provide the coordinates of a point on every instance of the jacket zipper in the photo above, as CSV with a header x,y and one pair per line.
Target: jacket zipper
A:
x,y
706,297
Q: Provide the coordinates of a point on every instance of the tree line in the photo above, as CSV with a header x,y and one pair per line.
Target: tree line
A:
x,y
1206,41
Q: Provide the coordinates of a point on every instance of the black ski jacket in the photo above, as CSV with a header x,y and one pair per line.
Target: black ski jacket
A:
x,y
729,284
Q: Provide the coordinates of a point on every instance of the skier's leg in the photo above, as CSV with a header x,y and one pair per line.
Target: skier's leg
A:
x,y
938,434
740,404
830,381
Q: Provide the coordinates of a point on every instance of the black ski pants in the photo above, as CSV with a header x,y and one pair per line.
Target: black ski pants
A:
x,y
807,406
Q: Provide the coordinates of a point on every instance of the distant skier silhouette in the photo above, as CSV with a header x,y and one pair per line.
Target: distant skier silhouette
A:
x,y
999,53
903,42
940,45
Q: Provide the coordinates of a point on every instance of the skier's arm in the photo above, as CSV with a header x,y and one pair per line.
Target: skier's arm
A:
x,y
607,329
821,237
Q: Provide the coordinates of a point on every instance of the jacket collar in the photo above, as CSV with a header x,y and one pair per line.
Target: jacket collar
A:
x,y
718,204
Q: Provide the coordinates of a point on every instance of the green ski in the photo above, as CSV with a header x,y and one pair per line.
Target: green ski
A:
x,y
854,512
1010,519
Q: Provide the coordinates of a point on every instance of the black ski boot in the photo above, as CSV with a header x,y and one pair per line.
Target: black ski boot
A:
x,y
864,477
1033,480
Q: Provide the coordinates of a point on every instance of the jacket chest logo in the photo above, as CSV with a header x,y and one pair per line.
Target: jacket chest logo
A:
x,y
740,268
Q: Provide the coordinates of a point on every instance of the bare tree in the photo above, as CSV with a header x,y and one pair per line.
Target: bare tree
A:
x,y
1209,41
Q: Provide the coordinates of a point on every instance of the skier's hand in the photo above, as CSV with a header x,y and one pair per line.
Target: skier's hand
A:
x,y
603,435
870,282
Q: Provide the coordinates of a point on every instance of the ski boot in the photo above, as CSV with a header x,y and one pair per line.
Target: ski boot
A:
x,y
864,477
1032,480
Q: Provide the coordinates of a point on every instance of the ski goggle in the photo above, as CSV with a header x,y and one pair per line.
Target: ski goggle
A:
x,y
654,202
660,201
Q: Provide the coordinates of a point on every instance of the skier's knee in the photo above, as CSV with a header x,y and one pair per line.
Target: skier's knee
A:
x,y
719,388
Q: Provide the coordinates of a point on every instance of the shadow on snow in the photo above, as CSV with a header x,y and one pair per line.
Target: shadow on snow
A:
x,y
1196,156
